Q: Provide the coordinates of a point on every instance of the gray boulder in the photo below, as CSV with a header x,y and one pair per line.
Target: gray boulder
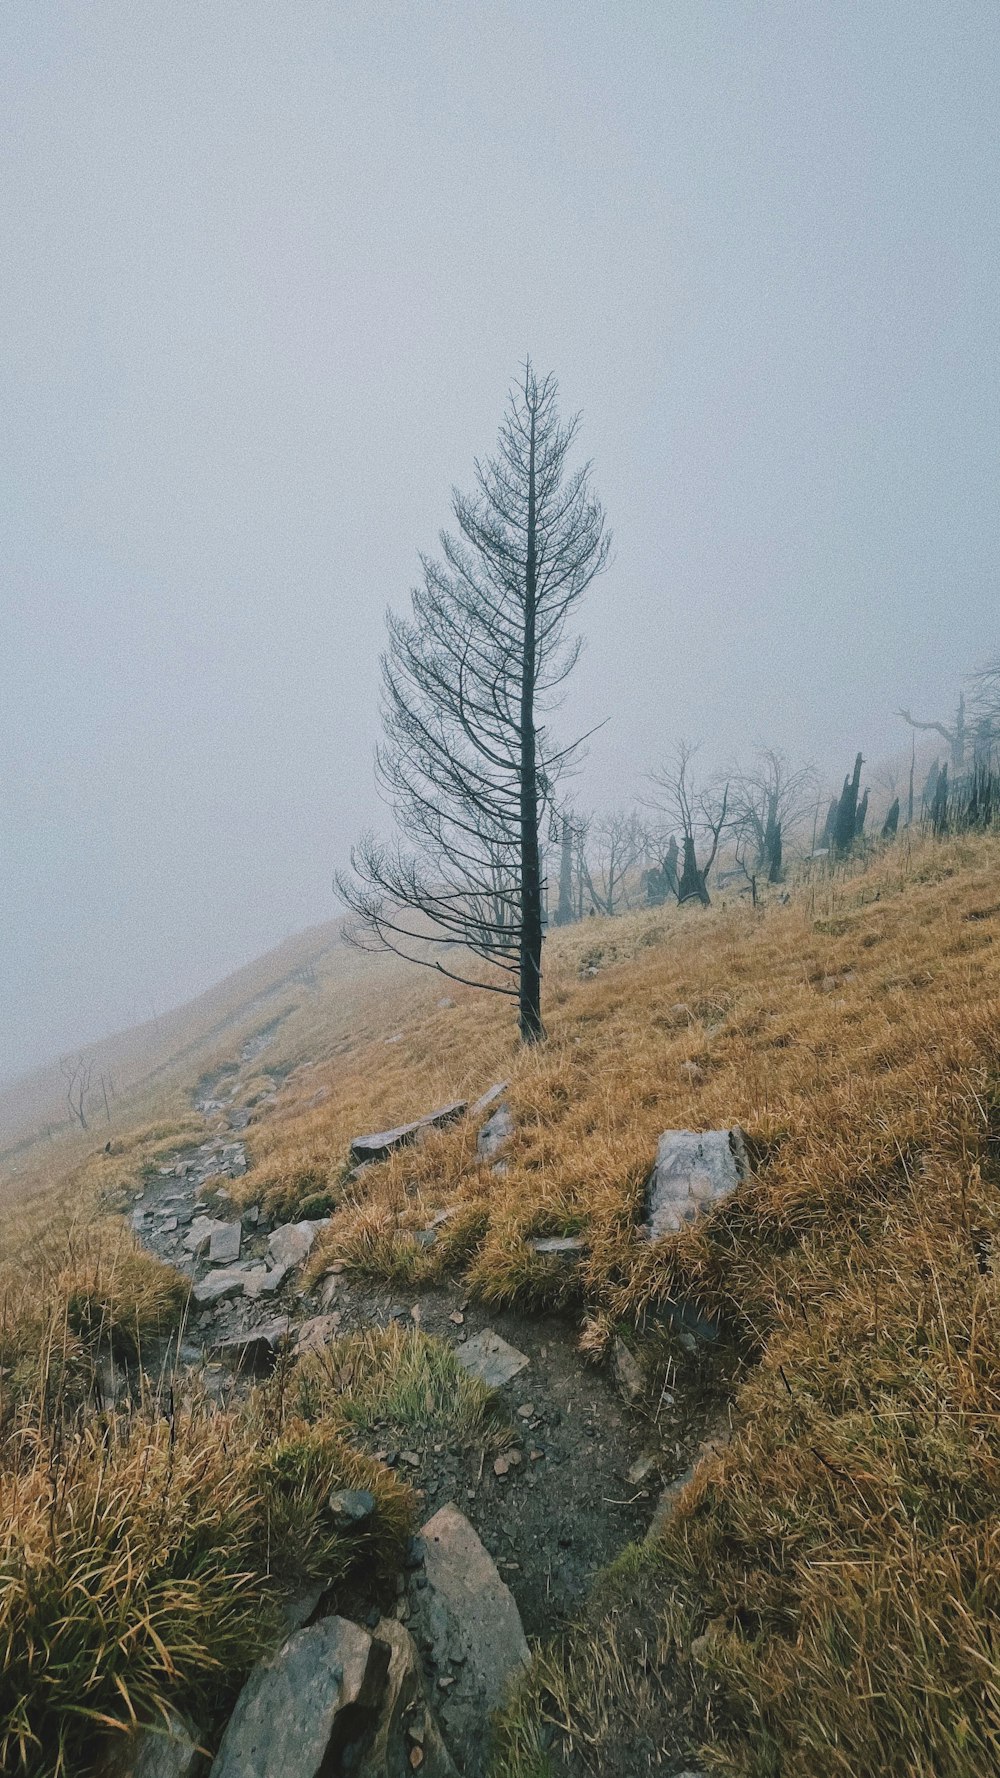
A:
x,y
694,1171
254,1348
383,1142
465,1619
218,1285
224,1246
307,1710
290,1244
495,1133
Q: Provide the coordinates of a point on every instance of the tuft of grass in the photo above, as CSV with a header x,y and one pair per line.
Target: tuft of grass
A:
x,y
399,1378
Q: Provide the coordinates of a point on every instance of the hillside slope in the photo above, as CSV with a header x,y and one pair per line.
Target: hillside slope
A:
x,y
820,1597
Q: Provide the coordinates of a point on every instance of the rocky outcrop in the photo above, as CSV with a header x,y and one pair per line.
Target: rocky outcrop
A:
x,y
309,1709
365,1149
694,1171
467,1625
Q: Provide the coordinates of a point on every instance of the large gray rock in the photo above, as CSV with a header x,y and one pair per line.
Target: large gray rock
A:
x,y
376,1147
694,1171
491,1359
466,1620
495,1133
307,1710
218,1285
405,1721
225,1244
290,1244
199,1235
264,1281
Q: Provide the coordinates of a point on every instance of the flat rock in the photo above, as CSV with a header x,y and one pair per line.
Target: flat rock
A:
x,y
489,1357
218,1285
200,1233
264,1281
405,1720
560,1246
694,1171
253,1348
225,1243
376,1147
290,1244
467,1618
308,1709
317,1332
496,1131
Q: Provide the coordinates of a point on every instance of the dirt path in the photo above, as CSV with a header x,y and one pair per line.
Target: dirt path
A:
x,y
585,1467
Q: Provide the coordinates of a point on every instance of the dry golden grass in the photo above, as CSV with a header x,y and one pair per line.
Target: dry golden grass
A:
x,y
824,1601
843,1550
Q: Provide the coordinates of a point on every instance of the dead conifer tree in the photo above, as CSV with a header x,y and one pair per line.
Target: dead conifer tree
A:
x,y
466,763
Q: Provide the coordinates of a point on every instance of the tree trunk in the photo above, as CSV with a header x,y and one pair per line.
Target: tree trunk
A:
x,y
530,986
564,913
692,886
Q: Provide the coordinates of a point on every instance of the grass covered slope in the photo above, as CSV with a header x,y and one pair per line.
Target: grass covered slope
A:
x,y
825,1600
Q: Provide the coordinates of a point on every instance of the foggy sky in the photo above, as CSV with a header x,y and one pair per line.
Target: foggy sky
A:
x,y
266,273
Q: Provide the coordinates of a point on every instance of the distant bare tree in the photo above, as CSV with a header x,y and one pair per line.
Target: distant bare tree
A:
x,y
76,1072
466,764
699,813
619,843
766,803
953,733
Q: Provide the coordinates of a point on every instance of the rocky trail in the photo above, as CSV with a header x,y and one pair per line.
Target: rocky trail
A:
x,y
590,1456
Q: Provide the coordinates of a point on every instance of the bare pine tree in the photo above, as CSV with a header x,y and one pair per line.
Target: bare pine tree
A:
x,y
466,763
699,812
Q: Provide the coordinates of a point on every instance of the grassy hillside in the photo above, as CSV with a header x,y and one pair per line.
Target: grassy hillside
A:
x,y
824,1599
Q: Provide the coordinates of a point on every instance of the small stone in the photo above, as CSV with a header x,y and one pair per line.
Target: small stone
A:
x,y
411,1458
643,1468
527,1410
457,1318
628,1371
501,1466
351,1506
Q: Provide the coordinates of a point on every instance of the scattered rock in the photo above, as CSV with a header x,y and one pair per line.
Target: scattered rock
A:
x,y
628,1371
383,1142
406,1726
290,1244
317,1332
489,1357
305,1710
496,1131
694,1170
467,1618
264,1281
200,1233
254,1348
328,1289
559,1246
351,1506
218,1285
225,1243
643,1467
